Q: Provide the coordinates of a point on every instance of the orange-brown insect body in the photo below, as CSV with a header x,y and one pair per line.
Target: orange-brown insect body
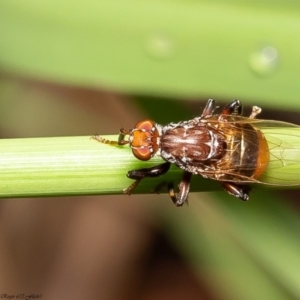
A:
x,y
226,151
225,147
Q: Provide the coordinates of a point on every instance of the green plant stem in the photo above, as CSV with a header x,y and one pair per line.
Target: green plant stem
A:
x,y
60,166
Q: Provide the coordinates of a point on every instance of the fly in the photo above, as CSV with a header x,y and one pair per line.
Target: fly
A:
x,y
225,147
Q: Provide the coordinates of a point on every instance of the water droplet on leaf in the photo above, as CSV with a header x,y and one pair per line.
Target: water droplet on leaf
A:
x,y
264,61
159,46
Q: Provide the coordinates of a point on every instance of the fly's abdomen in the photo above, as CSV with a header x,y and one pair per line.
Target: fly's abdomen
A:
x,y
247,153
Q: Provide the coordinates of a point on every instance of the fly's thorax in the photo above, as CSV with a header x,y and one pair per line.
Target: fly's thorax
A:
x,y
187,143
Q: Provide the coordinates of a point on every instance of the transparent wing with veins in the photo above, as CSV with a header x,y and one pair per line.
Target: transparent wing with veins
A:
x,y
284,149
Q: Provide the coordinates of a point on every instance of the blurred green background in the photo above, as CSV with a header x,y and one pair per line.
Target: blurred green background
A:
x,y
72,68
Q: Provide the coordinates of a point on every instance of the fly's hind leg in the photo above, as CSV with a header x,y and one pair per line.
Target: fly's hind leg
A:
x,y
239,191
184,187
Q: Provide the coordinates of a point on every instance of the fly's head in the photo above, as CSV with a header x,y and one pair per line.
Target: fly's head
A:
x,y
143,139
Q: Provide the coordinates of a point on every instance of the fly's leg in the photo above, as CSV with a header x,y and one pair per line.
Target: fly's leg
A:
x,y
184,188
139,174
122,134
121,140
207,111
104,141
233,108
255,111
239,191
236,108
209,108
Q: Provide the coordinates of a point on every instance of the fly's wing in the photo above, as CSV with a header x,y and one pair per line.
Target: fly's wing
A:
x,y
284,149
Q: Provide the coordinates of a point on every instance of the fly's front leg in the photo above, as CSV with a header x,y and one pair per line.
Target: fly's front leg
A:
x,y
239,191
184,188
122,134
104,141
139,174
121,140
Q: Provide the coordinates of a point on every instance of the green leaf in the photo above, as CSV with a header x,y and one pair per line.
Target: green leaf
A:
x,y
174,48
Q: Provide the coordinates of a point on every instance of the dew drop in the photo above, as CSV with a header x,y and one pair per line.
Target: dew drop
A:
x,y
264,61
159,46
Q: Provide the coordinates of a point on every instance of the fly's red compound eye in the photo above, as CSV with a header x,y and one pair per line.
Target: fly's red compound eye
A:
x,y
145,125
143,140
142,153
